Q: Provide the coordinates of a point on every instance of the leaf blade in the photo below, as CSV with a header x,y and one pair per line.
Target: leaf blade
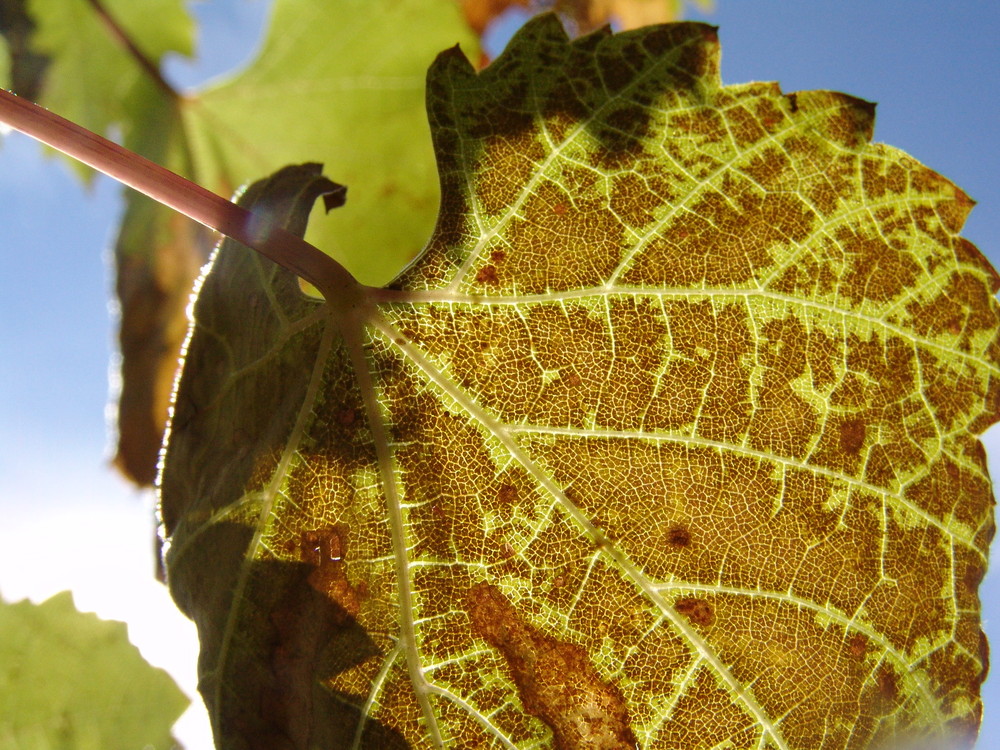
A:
x,y
73,680
681,440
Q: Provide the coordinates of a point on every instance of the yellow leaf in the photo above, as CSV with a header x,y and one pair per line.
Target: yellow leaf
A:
x,y
669,439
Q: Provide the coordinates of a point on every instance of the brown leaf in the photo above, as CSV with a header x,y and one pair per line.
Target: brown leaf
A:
x,y
479,14
153,293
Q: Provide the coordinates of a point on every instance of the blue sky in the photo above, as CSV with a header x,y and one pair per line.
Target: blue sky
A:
x,y
932,66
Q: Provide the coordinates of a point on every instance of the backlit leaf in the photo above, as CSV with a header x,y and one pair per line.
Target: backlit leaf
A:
x,y
668,439
71,680
22,66
340,82
97,64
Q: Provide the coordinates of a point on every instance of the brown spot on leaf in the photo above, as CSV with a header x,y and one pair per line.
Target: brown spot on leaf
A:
x,y
852,435
508,494
678,537
888,688
487,275
698,611
857,645
555,679
326,549
347,417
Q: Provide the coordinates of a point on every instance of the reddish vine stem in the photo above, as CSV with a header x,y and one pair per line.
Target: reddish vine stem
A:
x,y
173,191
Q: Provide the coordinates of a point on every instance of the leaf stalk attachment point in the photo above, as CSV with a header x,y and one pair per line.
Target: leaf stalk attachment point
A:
x,y
176,192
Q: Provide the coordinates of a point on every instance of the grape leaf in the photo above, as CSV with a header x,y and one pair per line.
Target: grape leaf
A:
x,y
355,66
97,63
70,680
668,439
22,67
91,77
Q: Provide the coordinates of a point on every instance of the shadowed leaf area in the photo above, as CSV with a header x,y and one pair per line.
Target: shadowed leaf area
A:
x,y
668,439
328,74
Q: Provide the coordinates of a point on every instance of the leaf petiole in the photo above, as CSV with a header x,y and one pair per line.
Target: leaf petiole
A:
x,y
180,194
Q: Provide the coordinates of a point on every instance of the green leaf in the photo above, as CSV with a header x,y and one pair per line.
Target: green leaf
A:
x,y
101,70
71,680
341,83
21,66
668,439
93,78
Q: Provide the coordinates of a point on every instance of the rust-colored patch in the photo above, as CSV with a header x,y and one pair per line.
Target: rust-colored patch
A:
x,y
326,549
718,244
746,129
347,417
878,271
678,537
768,168
555,679
487,275
852,435
888,687
578,248
508,494
857,645
788,426
698,611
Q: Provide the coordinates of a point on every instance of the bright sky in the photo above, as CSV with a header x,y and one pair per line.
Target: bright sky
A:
x,y
69,522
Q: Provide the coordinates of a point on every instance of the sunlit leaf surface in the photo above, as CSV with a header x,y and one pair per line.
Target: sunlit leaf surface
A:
x,y
71,680
668,440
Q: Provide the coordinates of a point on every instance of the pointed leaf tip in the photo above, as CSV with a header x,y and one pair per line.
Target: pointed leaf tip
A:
x,y
335,197
454,61
844,119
